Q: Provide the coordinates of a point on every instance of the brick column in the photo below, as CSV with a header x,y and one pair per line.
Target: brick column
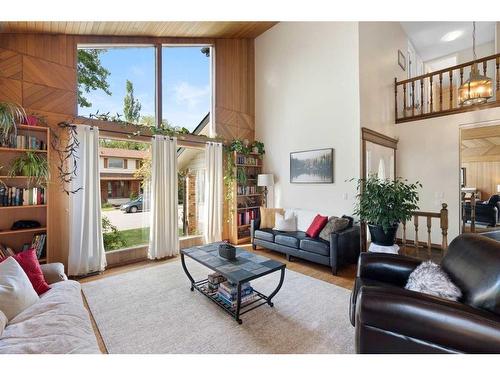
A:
x,y
191,202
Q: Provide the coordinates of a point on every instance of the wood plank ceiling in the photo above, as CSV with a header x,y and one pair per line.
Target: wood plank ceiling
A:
x,y
481,144
206,29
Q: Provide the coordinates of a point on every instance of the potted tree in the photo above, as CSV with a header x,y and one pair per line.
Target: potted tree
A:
x,y
383,204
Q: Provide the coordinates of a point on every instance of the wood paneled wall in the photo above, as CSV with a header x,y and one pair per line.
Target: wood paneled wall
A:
x,y
485,176
38,71
235,114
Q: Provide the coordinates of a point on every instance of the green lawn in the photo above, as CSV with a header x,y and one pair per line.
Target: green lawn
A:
x,y
136,237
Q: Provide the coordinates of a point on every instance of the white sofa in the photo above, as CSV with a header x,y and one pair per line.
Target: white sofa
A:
x,y
58,323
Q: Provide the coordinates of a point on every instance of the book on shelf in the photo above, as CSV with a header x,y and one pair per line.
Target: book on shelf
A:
x,y
38,244
234,296
25,142
5,251
232,303
232,288
247,160
15,196
246,190
245,217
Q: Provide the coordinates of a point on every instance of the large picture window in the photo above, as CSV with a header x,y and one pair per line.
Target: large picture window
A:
x,y
187,89
119,82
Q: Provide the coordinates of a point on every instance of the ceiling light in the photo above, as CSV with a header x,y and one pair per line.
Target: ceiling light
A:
x,y
452,35
478,88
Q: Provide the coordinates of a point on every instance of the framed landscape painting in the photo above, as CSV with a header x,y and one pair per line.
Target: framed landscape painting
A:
x,y
312,167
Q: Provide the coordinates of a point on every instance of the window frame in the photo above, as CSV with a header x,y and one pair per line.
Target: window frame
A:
x,y
115,159
158,46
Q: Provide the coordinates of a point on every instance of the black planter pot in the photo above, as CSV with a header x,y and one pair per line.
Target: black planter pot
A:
x,y
379,237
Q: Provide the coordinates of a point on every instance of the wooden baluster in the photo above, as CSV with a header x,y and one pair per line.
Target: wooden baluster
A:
x,y
444,226
484,68
404,100
440,91
429,245
395,99
421,96
415,223
461,76
413,98
432,102
498,78
451,89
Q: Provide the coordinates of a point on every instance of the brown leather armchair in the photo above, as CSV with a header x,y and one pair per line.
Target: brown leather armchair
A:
x,y
391,319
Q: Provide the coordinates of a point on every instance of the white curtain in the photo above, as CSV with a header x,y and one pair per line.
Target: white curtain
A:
x,y
86,247
164,235
212,228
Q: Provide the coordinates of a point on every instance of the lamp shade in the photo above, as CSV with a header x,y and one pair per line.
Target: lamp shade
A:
x,y
265,180
498,188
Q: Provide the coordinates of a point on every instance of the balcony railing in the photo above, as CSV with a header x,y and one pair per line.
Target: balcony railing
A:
x,y
436,93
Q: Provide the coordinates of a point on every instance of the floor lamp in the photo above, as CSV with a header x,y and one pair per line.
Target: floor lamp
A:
x,y
265,180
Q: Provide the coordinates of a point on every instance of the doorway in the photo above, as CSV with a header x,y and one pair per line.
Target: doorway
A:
x,y
480,178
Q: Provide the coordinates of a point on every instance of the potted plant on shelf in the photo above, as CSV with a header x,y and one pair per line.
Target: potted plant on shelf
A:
x,y
10,115
33,166
383,204
258,148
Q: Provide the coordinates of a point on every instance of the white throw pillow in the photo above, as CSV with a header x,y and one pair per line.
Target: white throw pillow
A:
x,y
285,223
3,322
429,278
16,291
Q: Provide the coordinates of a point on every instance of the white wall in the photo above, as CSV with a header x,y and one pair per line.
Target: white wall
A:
x,y
428,151
307,97
378,66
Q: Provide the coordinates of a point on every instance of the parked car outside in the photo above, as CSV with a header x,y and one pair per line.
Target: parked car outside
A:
x,y
133,205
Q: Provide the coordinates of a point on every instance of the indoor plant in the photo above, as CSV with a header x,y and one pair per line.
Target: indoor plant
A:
x,y
10,115
383,204
31,165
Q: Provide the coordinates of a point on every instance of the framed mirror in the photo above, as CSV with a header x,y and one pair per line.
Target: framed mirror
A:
x,y
379,158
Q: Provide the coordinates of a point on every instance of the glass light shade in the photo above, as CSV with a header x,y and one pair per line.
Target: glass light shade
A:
x,y
476,90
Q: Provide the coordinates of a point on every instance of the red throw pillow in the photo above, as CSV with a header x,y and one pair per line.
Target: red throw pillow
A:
x,y
318,223
29,263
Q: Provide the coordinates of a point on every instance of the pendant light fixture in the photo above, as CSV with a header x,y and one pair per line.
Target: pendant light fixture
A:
x,y
478,88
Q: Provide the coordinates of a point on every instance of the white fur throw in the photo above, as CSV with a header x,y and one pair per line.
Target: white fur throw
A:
x,y
429,278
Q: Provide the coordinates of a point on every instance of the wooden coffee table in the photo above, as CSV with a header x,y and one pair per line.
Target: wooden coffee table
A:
x,y
246,267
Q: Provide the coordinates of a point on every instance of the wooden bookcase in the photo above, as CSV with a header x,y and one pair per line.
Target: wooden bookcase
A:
x,y
248,197
15,239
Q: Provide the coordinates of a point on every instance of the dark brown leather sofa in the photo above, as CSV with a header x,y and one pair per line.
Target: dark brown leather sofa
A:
x,y
391,319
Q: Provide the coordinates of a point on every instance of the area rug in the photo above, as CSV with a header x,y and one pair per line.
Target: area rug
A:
x,y
152,310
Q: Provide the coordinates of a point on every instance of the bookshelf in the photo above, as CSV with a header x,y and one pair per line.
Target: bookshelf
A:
x,y
37,211
248,196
